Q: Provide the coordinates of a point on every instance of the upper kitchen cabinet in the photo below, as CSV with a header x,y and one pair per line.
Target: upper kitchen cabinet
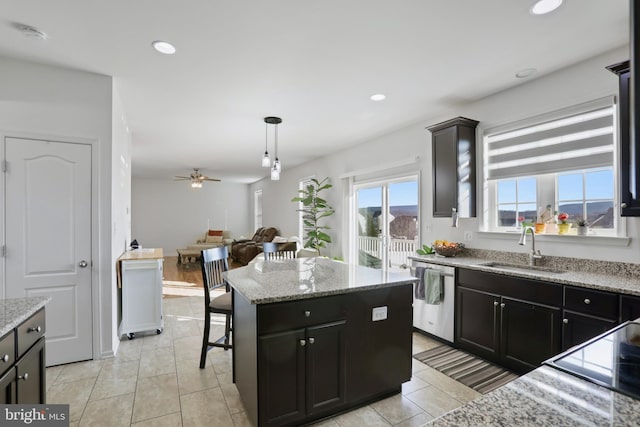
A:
x,y
629,150
454,167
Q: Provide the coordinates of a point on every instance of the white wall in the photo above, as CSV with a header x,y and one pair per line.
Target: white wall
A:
x,y
580,83
170,214
49,101
120,202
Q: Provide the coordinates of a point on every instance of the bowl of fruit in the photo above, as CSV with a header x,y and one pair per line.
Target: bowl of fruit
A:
x,y
447,248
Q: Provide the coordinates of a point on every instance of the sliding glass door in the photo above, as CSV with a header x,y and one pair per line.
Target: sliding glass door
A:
x,y
386,222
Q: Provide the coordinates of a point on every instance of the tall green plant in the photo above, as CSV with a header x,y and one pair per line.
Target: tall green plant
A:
x,y
314,209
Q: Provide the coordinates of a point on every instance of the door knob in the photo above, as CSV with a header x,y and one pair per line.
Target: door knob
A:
x,y
83,264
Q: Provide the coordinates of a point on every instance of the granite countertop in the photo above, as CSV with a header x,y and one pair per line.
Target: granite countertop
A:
x,y
546,397
626,284
16,310
272,281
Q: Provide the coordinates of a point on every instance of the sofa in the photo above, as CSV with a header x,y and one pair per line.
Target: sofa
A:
x,y
212,239
244,250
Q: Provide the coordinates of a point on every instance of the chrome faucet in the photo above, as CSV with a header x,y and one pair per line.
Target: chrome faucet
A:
x,y
533,255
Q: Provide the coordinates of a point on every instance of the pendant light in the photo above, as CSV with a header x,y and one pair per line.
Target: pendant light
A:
x,y
266,160
276,168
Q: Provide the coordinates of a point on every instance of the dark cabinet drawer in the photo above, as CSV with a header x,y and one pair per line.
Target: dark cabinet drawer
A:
x,y
7,351
300,314
30,331
589,301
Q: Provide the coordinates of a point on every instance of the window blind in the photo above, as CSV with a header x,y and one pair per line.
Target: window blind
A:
x,y
570,141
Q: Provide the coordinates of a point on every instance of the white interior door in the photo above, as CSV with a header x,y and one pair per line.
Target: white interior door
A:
x,y
48,239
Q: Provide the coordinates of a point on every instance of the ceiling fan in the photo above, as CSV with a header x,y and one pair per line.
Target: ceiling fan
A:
x,y
196,178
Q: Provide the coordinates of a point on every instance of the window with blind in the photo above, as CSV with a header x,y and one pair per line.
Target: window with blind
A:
x,y
564,160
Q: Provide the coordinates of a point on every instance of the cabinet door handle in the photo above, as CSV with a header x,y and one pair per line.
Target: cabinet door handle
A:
x,y
36,329
307,314
502,305
495,303
587,301
623,205
565,321
312,340
5,358
303,343
24,377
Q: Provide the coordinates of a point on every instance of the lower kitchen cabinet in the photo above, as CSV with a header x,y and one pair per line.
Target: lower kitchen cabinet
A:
x,y
22,362
578,328
477,324
629,308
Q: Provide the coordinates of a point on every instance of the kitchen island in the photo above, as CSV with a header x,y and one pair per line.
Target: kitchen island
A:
x,y
314,337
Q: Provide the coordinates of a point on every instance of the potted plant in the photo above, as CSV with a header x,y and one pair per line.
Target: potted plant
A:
x,y
582,226
314,209
563,226
426,250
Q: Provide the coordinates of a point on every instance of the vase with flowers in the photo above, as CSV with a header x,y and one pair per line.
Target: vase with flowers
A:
x,y
563,225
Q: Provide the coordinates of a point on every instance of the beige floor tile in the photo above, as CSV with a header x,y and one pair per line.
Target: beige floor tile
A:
x,y
221,360
331,422
52,375
225,378
79,371
186,326
364,416
110,387
171,420
433,401
417,366
187,348
74,423
412,385
111,412
396,409
75,394
191,378
416,421
447,384
128,350
241,420
232,398
422,343
205,408
156,396
156,362
121,370
165,339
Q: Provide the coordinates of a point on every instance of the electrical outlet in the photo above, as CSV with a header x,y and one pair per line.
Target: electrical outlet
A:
x,y
379,313
468,236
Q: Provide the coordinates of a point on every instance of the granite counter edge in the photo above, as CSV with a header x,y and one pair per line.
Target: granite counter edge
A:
x,y
24,307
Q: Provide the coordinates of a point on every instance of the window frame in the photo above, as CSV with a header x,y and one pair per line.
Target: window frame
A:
x,y
257,209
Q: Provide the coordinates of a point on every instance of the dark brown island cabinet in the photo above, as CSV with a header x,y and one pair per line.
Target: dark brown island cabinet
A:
x,y
454,167
303,360
22,362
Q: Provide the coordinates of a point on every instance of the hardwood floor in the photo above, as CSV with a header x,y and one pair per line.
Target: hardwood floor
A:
x,y
184,279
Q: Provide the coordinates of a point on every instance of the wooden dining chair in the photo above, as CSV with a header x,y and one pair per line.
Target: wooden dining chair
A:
x,y
272,251
214,263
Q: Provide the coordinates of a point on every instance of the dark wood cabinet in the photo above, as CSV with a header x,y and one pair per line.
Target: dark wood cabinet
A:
x,y
629,147
454,167
524,347
578,328
511,321
23,363
629,308
303,360
587,313
477,324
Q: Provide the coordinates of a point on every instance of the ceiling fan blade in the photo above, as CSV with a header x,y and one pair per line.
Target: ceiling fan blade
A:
x,y
181,178
210,179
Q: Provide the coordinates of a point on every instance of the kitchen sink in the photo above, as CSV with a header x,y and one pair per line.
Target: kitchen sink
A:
x,y
519,267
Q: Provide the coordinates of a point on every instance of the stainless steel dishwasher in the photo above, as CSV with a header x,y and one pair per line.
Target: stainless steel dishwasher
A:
x,y
436,319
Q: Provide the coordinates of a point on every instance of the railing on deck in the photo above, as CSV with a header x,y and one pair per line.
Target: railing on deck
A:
x,y
399,249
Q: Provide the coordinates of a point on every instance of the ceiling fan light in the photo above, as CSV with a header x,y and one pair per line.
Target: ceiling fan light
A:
x,y
266,160
275,173
196,184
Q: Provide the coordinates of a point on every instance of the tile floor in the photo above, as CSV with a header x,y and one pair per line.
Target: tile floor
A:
x,y
154,380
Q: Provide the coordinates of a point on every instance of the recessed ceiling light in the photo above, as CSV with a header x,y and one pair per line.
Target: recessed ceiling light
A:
x,y
545,6
378,97
164,47
522,74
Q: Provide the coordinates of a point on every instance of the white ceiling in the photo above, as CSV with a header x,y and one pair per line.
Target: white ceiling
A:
x,y
313,63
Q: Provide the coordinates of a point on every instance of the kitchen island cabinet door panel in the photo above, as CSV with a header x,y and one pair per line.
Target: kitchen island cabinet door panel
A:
x,y
326,366
8,387
477,322
528,334
31,374
281,378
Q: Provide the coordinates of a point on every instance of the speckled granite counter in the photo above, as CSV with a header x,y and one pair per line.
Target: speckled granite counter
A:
x,y
17,310
626,282
546,397
272,281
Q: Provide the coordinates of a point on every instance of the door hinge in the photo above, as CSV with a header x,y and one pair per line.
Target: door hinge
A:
x,y
4,165
4,251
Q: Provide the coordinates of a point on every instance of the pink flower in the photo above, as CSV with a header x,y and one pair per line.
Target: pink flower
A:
x,y
520,219
562,217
